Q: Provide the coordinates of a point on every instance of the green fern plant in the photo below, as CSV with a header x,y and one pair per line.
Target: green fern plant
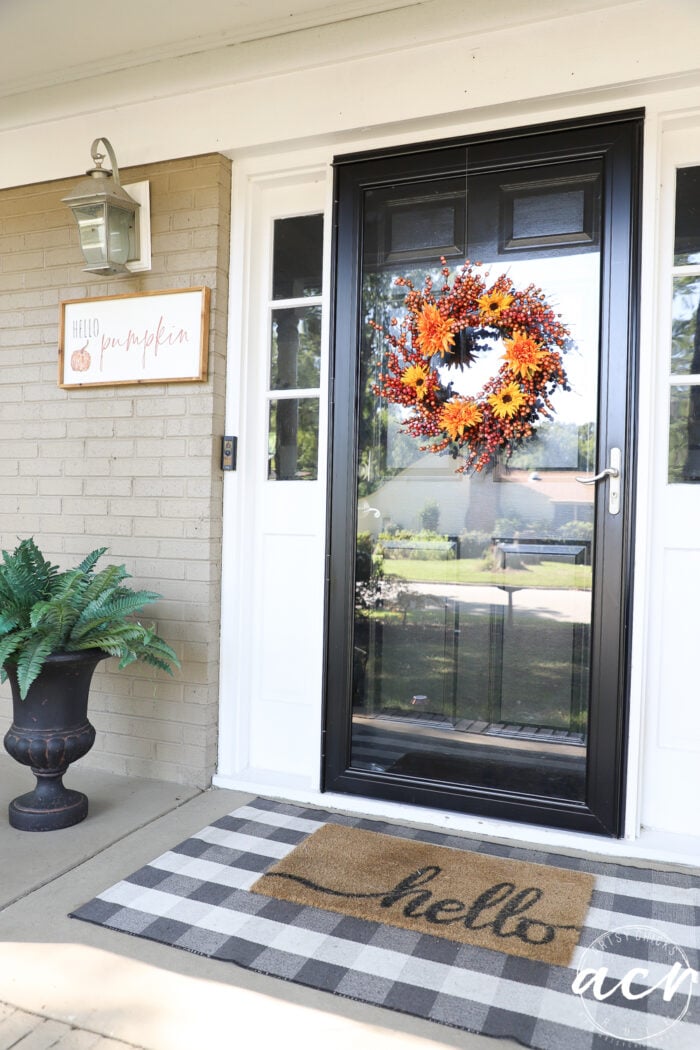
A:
x,y
45,611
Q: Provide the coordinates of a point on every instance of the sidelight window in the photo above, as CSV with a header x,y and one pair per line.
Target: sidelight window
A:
x,y
295,349
684,422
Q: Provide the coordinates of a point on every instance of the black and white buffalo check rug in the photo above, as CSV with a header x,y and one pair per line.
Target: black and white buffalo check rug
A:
x,y
632,981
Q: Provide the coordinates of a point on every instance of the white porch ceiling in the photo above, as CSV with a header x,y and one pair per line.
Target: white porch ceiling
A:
x,y
48,42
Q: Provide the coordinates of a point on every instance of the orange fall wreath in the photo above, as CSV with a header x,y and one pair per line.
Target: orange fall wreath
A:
x,y
449,329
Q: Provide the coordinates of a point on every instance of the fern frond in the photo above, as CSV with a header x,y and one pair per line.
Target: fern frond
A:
x,y
10,644
88,564
156,661
25,574
54,618
103,612
113,640
129,657
157,647
31,660
92,610
8,621
68,585
113,647
154,650
27,557
105,582
92,616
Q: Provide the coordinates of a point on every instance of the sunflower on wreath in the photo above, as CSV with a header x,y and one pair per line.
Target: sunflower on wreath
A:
x,y
449,329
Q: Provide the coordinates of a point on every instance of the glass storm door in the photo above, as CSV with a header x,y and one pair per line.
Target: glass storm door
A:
x,y
477,620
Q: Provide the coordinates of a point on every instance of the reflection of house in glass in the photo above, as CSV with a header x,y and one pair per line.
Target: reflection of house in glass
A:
x,y
552,497
521,502
398,500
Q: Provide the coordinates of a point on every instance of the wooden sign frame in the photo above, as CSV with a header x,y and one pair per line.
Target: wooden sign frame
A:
x,y
147,337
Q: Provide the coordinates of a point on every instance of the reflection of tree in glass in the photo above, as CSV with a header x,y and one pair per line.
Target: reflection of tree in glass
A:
x,y
296,348
678,433
294,439
295,365
307,438
686,296
684,423
382,301
692,464
558,446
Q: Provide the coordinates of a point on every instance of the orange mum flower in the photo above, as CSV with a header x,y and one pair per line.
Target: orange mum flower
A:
x,y
523,354
416,377
458,416
434,332
506,401
493,303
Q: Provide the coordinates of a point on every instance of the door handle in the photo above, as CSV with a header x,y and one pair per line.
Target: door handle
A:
x,y
613,472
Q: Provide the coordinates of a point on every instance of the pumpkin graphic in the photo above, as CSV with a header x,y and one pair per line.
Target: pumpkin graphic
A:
x,y
80,359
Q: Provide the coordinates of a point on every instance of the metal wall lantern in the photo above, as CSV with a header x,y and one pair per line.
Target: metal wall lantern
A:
x,y
107,217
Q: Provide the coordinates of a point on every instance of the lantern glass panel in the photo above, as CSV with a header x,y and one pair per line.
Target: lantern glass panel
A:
x,y
120,223
91,226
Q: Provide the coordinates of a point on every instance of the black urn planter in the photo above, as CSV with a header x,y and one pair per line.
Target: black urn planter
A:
x,y
49,730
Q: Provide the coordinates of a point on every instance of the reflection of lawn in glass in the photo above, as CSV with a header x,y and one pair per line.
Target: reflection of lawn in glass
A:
x,y
554,575
418,658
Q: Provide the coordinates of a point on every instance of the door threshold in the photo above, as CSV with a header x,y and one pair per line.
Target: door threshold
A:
x,y
651,848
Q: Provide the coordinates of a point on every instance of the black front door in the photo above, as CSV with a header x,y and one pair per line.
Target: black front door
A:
x,y
478,618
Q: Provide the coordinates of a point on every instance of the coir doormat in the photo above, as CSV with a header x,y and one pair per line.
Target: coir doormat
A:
x,y
628,983
509,905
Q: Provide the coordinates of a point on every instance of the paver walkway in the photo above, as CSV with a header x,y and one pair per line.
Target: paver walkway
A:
x,y
20,1030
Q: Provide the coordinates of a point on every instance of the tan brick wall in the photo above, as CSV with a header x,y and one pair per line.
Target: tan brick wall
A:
x,y
132,468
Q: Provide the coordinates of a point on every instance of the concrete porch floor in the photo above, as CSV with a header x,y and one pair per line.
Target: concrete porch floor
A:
x,y
68,985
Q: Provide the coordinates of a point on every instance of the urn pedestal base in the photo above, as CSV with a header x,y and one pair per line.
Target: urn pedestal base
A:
x,y
49,807
50,730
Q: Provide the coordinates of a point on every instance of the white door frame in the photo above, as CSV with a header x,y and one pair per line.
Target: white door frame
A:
x,y
264,692
670,759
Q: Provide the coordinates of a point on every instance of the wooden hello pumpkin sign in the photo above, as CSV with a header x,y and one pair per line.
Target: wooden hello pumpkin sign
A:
x,y
151,337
